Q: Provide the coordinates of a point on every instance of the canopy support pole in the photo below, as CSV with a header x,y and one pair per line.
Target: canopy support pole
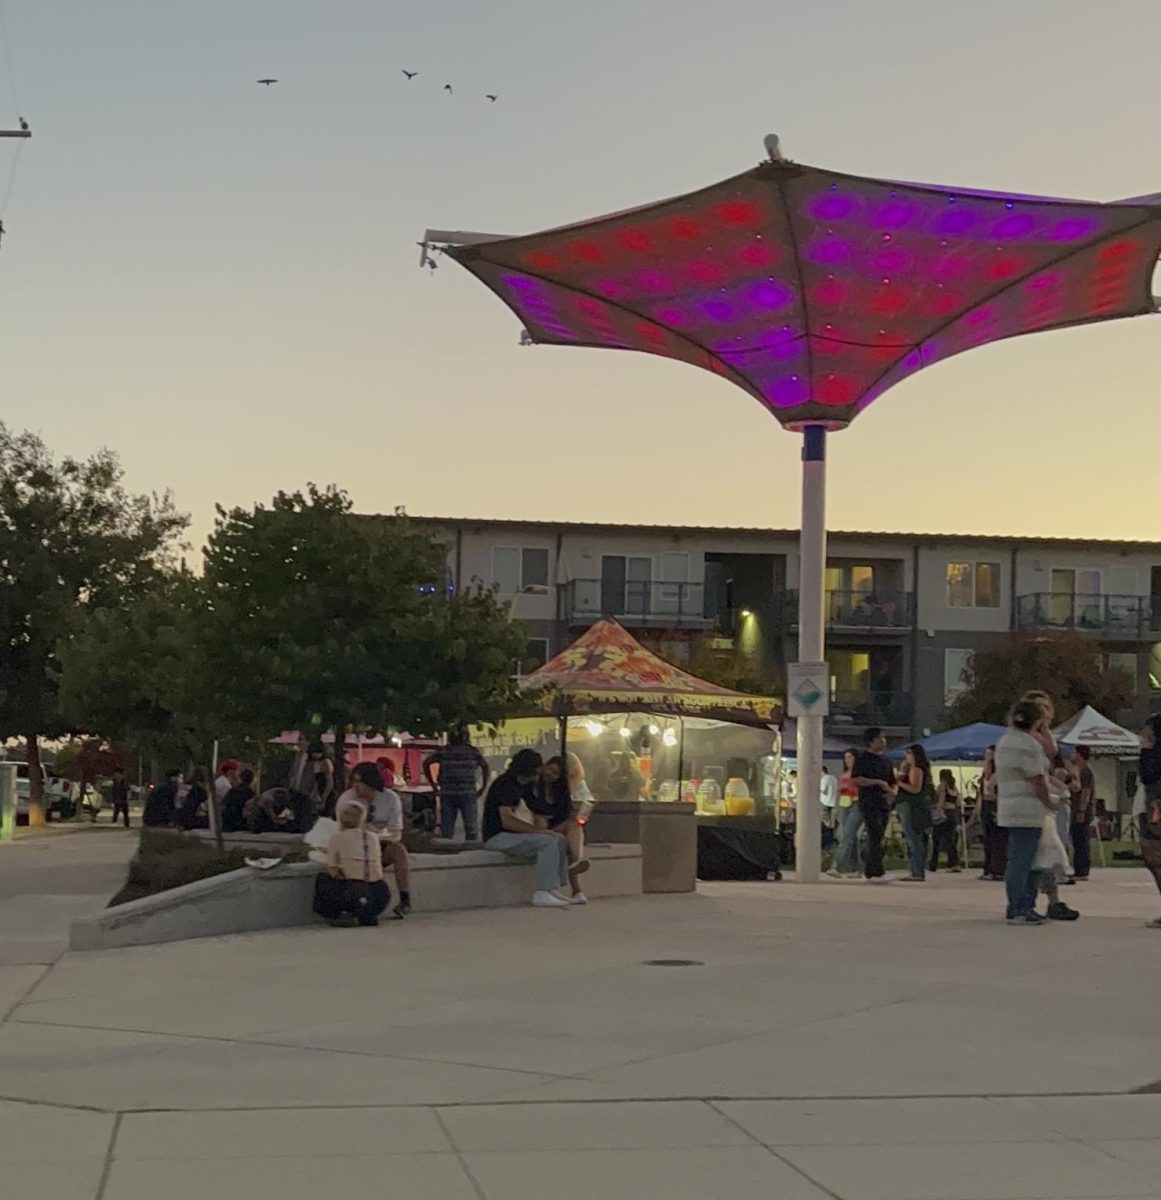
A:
x,y
811,649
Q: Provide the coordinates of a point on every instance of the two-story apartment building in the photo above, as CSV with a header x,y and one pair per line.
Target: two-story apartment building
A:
x,y
904,611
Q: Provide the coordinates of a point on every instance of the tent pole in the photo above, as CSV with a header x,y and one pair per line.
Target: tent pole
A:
x,y
811,649
680,755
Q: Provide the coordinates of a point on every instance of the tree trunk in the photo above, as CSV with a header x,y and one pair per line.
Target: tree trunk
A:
x,y
36,816
340,760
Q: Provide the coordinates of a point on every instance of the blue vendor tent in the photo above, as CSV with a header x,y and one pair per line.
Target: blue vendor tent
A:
x,y
966,744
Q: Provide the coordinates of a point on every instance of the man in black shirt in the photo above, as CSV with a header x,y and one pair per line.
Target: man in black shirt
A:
x,y
120,796
161,803
874,776
506,829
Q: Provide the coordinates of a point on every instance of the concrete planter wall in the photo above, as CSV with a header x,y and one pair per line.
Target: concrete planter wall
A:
x,y
666,833
248,900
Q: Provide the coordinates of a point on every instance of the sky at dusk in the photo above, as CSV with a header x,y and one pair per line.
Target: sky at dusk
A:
x,y
220,280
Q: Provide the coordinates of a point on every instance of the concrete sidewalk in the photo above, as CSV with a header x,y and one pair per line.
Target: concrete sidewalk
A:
x,y
841,1040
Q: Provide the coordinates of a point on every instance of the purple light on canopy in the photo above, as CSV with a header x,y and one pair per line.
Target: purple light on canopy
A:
x,y
874,278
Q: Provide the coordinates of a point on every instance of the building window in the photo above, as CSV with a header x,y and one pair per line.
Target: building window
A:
x,y
955,674
973,585
519,570
535,654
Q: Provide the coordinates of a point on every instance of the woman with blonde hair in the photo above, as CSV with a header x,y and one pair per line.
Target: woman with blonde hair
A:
x,y
352,889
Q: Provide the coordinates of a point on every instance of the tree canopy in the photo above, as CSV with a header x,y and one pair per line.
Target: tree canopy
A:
x,y
73,541
306,617
1065,665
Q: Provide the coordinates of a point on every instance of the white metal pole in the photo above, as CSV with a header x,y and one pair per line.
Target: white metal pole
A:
x,y
811,649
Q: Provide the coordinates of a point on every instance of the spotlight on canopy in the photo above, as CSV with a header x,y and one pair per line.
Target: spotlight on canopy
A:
x,y
815,292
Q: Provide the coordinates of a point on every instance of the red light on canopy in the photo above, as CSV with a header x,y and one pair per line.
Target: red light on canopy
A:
x,y
816,291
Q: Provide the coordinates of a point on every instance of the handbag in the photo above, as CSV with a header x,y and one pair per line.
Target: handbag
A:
x,y
360,889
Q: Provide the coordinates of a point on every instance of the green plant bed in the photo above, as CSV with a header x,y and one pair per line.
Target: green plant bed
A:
x,y
167,860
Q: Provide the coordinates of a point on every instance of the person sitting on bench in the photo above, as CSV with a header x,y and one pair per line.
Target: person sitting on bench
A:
x,y
509,826
352,889
385,816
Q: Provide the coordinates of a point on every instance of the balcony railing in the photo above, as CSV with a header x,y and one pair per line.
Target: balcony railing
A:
x,y
1125,617
675,605
878,707
884,611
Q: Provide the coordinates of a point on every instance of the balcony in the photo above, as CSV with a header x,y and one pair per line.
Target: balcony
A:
x,y
1117,618
857,709
656,605
861,612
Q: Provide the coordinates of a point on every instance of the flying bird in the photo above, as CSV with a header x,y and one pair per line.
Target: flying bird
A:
x,y
410,74
447,87
267,82
491,97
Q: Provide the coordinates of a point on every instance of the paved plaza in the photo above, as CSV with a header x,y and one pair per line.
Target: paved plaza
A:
x,y
843,1040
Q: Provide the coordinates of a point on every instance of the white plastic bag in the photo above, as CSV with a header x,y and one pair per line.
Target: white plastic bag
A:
x,y
1050,854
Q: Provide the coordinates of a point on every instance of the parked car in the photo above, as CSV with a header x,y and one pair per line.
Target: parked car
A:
x,y
60,795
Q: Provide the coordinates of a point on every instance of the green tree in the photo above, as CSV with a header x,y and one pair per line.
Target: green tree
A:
x,y
133,673
1066,665
316,619
73,540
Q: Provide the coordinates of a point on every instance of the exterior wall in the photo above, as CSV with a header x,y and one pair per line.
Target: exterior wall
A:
x,y
1025,566
1124,573
933,611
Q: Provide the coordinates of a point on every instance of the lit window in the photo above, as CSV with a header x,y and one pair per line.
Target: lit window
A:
x,y
973,585
959,585
987,585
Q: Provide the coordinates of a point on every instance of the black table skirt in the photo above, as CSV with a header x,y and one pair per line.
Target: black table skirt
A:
x,y
726,853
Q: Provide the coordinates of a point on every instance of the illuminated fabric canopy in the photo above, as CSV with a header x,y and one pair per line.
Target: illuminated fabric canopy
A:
x,y
607,670
815,291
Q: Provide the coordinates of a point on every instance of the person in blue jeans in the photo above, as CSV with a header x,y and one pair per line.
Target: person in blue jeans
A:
x,y
509,827
848,862
1023,801
462,780
914,808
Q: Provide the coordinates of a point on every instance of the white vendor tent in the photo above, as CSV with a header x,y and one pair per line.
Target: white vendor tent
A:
x,y
1090,728
1114,752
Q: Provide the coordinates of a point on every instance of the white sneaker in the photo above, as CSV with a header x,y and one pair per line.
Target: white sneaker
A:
x,y
548,900
578,898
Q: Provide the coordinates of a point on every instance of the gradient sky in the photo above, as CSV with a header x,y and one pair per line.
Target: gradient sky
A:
x,y
220,280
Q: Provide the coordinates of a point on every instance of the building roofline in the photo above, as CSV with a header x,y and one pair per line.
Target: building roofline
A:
x,y
864,535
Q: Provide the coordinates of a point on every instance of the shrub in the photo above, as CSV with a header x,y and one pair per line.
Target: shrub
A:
x,y
166,859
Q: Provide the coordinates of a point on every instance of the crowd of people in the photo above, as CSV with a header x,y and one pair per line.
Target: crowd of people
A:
x,y
1034,812
534,812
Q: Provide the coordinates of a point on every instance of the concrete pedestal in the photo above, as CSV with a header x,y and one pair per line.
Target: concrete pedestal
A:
x,y
666,833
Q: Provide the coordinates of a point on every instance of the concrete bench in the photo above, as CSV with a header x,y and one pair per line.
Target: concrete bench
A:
x,y
248,900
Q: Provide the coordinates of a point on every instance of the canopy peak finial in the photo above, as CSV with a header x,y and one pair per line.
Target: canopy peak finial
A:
x,y
772,142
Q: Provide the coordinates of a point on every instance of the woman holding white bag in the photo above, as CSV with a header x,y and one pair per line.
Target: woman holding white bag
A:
x,y
1051,859
1051,856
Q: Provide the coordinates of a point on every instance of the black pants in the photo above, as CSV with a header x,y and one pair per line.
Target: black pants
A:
x,y
945,840
122,810
334,898
995,844
875,820
1081,856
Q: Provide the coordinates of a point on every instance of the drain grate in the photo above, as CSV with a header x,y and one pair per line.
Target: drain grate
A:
x,y
672,962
